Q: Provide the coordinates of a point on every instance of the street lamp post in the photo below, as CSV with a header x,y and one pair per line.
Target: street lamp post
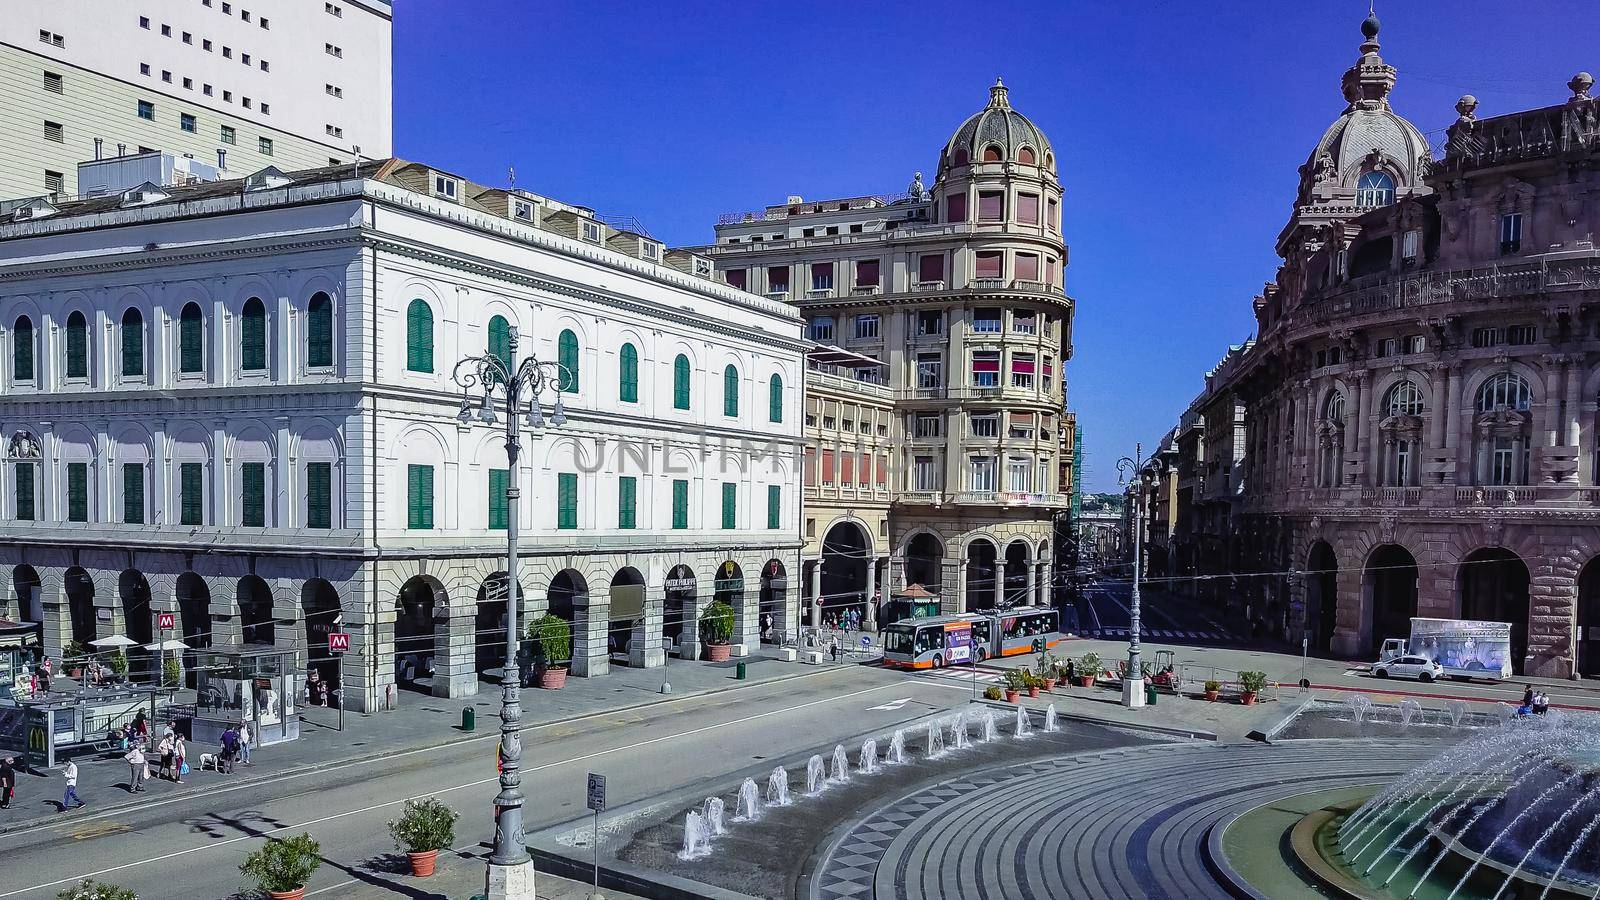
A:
x,y
1139,472
510,875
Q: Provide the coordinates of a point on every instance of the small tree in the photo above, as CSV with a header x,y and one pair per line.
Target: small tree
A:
x,y
171,672
89,889
425,825
552,638
1089,665
716,623
1252,682
74,651
284,864
119,664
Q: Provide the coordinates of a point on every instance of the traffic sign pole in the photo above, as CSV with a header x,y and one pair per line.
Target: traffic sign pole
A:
x,y
597,802
338,645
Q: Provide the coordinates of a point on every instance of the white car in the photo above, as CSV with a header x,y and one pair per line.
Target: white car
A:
x,y
1419,667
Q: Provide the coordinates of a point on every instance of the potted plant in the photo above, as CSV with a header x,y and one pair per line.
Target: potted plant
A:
x,y
1047,670
1250,684
991,693
716,629
89,889
1013,685
552,648
426,827
119,665
1213,688
282,866
171,672
1031,682
72,657
1088,669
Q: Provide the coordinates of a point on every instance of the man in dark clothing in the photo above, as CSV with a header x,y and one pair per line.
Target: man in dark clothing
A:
x,y
8,781
230,749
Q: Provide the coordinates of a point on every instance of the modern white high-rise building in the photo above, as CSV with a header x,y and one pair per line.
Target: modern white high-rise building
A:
x,y
291,83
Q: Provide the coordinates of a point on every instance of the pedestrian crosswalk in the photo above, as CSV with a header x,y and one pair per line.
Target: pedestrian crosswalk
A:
x,y
983,674
1165,634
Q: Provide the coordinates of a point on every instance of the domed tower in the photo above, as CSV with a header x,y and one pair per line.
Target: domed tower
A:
x,y
1368,157
998,171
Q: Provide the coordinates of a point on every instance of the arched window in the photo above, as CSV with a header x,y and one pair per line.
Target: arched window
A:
x,y
1504,391
1025,156
628,374
319,331
1049,160
680,382
500,340
1404,399
132,342
22,349
567,356
419,337
992,153
1330,441
730,391
1333,408
1375,189
191,339
77,346
775,399
253,336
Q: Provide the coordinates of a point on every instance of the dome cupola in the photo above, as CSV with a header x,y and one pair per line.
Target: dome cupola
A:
x,y
997,134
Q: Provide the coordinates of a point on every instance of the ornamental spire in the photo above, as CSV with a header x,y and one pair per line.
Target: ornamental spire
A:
x,y
1367,83
997,95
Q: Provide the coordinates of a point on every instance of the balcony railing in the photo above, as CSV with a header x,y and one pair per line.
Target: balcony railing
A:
x,y
1392,496
927,286
1008,498
932,498
1390,292
1496,495
865,290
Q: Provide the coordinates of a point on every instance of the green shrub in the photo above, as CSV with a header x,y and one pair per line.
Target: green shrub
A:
x,y
1014,680
716,623
1213,686
119,664
552,638
991,693
425,825
89,889
74,651
171,672
1252,682
284,864
1089,665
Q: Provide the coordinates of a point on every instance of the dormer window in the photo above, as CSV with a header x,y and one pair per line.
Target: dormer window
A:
x,y
1375,189
522,209
702,267
270,177
649,250
144,193
591,231
992,153
446,187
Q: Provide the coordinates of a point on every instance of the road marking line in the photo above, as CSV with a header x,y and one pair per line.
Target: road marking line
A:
x,y
445,790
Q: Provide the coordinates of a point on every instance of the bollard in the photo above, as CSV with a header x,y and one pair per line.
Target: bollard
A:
x,y
469,719
739,671
1149,694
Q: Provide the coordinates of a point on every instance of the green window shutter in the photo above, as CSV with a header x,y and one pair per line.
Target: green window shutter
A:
x,y
774,506
253,495
22,349
775,399
500,341
627,502
499,506
567,500
133,493
132,343
319,495
680,382
730,392
25,476
253,336
730,500
567,356
680,504
77,346
628,386
77,492
191,339
419,497
319,331
419,337
191,490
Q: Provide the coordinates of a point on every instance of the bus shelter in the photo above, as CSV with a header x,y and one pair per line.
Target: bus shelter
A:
x,y
255,685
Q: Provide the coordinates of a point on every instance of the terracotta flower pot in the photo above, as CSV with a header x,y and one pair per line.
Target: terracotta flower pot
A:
x,y
422,863
1085,681
553,678
718,652
1049,684
1033,690
1011,696
1248,698
296,894
1212,695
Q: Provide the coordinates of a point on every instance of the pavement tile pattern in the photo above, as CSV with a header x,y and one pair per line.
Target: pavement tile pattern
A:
x,y
1129,823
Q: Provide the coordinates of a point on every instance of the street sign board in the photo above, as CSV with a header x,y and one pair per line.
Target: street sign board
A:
x,y
866,641
338,641
597,792
165,621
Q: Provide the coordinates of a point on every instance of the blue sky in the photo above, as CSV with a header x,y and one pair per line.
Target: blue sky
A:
x,y
1179,128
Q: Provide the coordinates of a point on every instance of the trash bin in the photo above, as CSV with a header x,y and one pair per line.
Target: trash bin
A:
x,y
469,719
1149,694
739,671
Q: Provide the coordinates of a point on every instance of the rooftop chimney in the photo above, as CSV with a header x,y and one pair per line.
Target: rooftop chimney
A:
x,y
98,143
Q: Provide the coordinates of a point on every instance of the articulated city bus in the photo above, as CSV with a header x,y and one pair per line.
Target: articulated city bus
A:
x,y
937,641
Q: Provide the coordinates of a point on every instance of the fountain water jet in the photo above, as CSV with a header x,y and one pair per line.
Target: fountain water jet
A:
x,y
1050,718
897,749
958,733
749,808
935,740
816,775
778,787
1543,795
867,762
1024,723
841,765
1554,824
1409,708
712,813
1458,712
696,837
990,726
1359,704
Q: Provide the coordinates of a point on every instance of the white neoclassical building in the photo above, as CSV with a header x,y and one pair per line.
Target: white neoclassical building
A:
x,y
234,401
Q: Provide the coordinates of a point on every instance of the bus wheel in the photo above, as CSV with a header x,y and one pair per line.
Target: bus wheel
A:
x,y
982,654
938,662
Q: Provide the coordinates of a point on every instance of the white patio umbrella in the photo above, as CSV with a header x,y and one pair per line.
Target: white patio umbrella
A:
x,y
115,640
168,644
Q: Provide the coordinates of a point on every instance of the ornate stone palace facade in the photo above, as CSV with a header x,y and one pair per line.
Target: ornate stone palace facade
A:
x,y
1422,400
958,291
233,401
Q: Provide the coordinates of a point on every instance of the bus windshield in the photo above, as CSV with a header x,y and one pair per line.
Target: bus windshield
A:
x,y
898,639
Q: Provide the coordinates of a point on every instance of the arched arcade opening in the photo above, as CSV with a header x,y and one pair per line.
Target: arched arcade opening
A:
x,y
1390,584
1322,597
846,553
1493,587
981,575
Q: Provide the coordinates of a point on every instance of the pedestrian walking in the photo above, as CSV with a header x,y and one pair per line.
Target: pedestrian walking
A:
x,y
833,647
136,770
180,765
165,749
244,742
8,781
230,750
71,794
1527,695
1541,703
